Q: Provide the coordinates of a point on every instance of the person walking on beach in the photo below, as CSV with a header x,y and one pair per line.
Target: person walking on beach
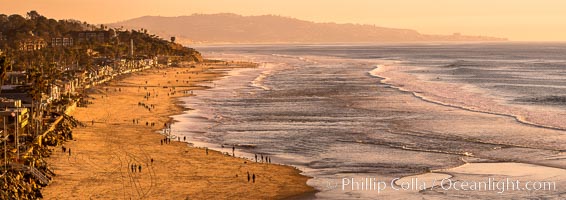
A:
x,y
253,178
206,150
139,168
248,177
93,122
133,167
69,151
233,149
256,157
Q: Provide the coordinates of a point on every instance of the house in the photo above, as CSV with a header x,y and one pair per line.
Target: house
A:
x,y
12,111
164,60
16,78
71,81
54,92
61,42
90,36
31,44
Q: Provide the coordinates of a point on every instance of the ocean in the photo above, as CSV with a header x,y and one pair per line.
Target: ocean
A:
x,y
394,121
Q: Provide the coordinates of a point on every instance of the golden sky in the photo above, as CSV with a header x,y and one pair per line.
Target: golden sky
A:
x,y
519,20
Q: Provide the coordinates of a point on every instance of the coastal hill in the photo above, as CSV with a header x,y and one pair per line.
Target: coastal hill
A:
x,y
232,28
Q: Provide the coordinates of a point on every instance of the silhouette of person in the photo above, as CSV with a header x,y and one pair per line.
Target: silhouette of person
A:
x,y
69,151
139,168
253,177
255,157
248,177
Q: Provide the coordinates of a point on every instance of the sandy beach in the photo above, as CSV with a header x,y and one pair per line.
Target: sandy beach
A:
x,y
116,137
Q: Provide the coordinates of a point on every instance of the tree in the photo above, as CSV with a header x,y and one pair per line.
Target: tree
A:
x,y
33,15
3,69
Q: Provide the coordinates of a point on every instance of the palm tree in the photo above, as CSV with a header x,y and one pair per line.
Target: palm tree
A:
x,y
3,70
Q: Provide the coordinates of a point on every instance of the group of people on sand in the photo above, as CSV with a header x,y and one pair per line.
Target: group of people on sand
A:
x,y
66,150
252,178
146,106
136,168
267,159
148,95
166,140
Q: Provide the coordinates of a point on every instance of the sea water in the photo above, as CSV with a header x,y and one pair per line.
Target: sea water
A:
x,y
326,110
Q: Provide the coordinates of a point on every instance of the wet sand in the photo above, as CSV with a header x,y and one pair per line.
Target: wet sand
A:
x,y
103,152
397,126
466,96
494,123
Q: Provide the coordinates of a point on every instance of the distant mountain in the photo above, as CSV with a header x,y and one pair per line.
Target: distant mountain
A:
x,y
232,28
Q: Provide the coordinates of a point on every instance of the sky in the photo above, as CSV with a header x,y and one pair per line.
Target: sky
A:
x,y
517,20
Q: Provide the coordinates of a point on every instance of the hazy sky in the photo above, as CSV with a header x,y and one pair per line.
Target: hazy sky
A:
x,y
524,20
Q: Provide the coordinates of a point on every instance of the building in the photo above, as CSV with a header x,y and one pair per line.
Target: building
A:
x,y
32,44
12,108
16,78
61,42
90,36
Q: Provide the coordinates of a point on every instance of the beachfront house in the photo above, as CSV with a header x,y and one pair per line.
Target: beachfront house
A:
x,y
164,60
12,108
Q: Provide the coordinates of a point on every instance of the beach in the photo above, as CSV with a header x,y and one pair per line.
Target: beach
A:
x,y
338,112
122,130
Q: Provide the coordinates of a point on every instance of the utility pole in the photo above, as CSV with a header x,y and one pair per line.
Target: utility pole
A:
x,y
16,134
132,48
5,146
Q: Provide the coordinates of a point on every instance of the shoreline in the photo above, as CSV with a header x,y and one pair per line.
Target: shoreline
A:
x,y
382,69
495,152
104,150
472,169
